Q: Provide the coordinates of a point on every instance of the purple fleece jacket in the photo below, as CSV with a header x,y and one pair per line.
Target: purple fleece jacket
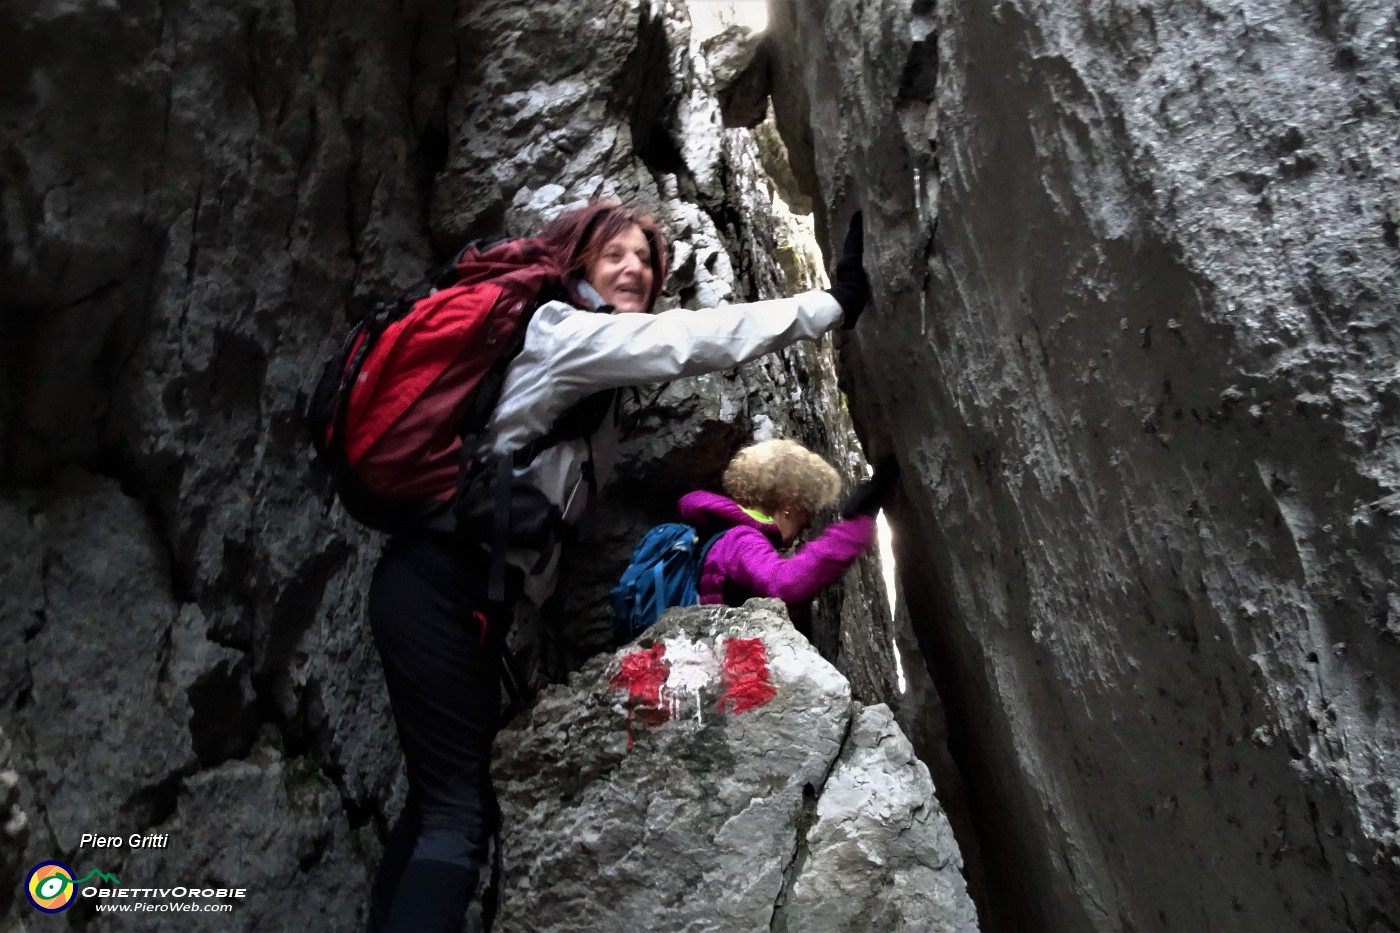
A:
x,y
745,562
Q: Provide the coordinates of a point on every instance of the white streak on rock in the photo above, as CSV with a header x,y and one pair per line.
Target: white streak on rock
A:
x,y
694,665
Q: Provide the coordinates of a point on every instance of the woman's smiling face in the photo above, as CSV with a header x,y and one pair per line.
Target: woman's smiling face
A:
x,y
622,272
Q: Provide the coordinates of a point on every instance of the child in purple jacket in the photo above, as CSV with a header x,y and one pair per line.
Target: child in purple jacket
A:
x,y
773,488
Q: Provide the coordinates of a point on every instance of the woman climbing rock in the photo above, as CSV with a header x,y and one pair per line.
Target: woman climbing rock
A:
x,y
774,487
441,597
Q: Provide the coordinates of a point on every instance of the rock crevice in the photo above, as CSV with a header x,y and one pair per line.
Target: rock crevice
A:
x,y
803,820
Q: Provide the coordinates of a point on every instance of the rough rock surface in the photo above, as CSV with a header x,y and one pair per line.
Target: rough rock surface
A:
x,y
880,854
194,198
673,787
1135,343
114,720
82,697
192,201
738,60
14,828
292,852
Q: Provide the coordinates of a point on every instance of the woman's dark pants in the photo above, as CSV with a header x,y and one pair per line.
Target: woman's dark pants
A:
x,y
428,612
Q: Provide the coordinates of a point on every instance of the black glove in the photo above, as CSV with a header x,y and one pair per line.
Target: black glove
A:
x,y
850,286
869,495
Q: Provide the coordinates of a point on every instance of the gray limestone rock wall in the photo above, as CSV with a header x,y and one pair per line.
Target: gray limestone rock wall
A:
x,y
1134,342
192,202
192,199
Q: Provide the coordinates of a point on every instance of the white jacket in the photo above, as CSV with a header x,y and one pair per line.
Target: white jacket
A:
x,y
569,354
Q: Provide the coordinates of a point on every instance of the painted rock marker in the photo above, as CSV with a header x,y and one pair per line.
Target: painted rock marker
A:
x,y
659,678
746,682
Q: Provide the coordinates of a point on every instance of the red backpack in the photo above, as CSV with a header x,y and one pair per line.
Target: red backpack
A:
x,y
398,412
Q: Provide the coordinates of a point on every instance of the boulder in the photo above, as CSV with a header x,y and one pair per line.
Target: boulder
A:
x,y
715,775
880,854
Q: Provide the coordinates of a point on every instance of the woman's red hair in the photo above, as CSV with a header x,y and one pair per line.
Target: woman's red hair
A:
x,y
579,236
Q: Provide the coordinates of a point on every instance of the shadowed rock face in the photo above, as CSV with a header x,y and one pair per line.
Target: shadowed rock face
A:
x,y
1134,342
715,775
192,202
194,198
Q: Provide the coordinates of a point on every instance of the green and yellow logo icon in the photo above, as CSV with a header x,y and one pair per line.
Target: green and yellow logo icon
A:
x,y
51,887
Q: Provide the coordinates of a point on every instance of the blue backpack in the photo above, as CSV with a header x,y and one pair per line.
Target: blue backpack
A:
x,y
663,574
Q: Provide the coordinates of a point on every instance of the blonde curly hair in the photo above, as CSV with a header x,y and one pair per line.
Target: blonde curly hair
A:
x,y
772,476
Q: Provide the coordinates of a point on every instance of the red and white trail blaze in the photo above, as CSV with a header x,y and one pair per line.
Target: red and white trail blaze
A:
x,y
658,679
746,683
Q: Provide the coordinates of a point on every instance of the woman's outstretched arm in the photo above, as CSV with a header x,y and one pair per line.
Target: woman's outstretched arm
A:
x,y
751,560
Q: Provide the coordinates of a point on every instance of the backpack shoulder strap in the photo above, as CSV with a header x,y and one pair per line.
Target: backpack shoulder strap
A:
x,y
704,551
